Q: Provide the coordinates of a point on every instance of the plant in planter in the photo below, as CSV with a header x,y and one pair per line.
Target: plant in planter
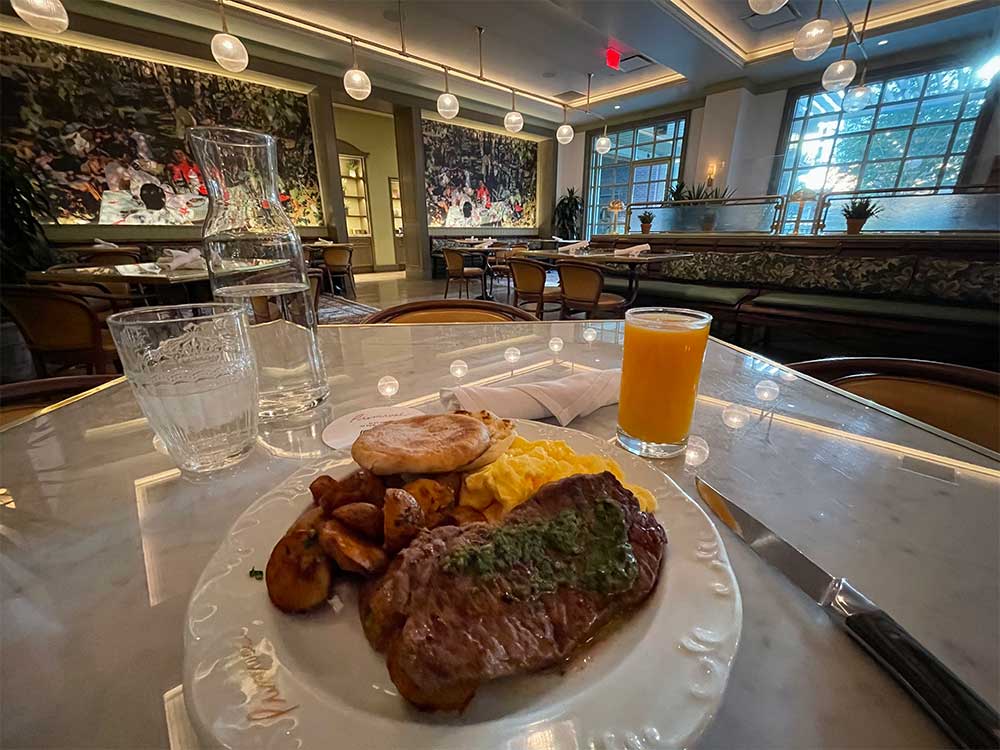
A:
x,y
703,193
23,246
858,211
567,215
646,221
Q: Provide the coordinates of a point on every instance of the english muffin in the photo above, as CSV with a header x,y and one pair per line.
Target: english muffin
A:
x,y
502,434
428,444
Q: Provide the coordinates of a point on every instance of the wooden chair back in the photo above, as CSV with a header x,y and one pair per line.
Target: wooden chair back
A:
x,y
961,400
455,261
338,259
582,283
529,276
450,311
51,320
110,257
315,285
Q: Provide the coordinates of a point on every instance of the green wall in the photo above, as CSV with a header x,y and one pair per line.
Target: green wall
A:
x,y
375,134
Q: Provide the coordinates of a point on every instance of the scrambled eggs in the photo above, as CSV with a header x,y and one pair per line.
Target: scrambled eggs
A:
x,y
526,466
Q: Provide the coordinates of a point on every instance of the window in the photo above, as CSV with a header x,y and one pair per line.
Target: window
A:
x,y
914,133
641,166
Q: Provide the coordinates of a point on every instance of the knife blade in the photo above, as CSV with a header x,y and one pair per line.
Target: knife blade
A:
x,y
959,711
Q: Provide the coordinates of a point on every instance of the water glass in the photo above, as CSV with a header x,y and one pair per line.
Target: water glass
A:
x,y
661,367
192,370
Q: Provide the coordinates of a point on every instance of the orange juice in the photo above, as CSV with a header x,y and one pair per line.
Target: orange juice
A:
x,y
661,366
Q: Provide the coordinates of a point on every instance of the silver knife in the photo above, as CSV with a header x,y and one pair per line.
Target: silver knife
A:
x,y
965,717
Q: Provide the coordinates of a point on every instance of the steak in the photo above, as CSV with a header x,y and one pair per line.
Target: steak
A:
x,y
462,605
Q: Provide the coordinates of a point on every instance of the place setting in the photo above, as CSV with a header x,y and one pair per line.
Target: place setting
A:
x,y
415,377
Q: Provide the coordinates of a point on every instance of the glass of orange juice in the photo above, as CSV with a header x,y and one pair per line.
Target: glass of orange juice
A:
x,y
664,349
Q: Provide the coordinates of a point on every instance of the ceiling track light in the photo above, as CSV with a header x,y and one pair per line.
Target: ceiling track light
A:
x,y
447,103
43,15
513,120
356,82
564,133
227,49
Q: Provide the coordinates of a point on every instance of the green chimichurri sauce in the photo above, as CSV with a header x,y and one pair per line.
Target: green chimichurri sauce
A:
x,y
586,549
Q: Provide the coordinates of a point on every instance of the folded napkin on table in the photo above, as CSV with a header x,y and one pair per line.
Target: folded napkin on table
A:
x,y
574,247
324,241
565,399
181,260
483,245
100,244
634,250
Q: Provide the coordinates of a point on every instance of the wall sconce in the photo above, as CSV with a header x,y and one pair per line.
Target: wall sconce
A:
x,y
710,181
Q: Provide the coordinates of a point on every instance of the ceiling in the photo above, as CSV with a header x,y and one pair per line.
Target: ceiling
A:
x,y
548,46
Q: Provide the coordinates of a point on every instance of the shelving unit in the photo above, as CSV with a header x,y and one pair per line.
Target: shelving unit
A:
x,y
396,204
354,181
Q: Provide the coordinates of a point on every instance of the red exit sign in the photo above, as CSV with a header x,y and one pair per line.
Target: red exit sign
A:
x,y
613,58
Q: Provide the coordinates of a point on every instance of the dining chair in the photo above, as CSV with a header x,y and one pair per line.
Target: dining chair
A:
x,y
961,400
497,267
109,257
24,398
315,276
455,263
58,327
529,286
583,290
450,311
337,262
124,292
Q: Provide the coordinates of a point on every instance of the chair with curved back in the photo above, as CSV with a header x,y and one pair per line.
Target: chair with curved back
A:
x,y
59,327
499,267
529,286
315,285
455,262
450,311
961,400
118,257
338,263
583,290
22,399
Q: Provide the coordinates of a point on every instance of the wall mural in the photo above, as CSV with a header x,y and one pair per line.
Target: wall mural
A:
x,y
105,134
478,179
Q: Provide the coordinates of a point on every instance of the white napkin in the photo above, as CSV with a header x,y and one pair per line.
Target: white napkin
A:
x,y
634,250
484,244
324,241
565,399
178,260
100,244
574,247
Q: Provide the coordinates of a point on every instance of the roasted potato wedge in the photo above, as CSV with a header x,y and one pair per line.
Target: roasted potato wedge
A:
x,y
350,551
298,574
360,487
402,518
320,486
310,518
462,515
363,517
433,497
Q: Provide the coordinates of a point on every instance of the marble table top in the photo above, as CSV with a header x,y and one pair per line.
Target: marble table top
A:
x,y
102,540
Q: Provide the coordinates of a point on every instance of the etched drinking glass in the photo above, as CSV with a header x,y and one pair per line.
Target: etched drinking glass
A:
x,y
193,372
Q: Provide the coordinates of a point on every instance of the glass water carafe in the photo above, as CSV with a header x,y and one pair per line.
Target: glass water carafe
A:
x,y
255,258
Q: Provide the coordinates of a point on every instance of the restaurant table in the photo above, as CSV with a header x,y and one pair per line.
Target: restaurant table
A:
x,y
169,287
103,541
602,258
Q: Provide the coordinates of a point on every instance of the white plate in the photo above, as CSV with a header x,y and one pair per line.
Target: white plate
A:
x,y
257,678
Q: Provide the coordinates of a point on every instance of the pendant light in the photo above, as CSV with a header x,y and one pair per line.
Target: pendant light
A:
x,y
356,82
813,39
564,133
447,102
513,120
44,15
227,49
603,144
839,74
858,97
767,7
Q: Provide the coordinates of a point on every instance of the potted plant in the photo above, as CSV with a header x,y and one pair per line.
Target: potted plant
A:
x,y
703,193
567,215
646,221
858,211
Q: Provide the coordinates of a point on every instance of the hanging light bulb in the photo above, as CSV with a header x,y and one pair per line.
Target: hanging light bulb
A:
x,y
839,75
767,7
513,120
447,102
564,133
356,82
813,39
603,144
227,49
44,15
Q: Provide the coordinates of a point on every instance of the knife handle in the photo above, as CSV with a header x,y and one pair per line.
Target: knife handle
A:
x,y
964,716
